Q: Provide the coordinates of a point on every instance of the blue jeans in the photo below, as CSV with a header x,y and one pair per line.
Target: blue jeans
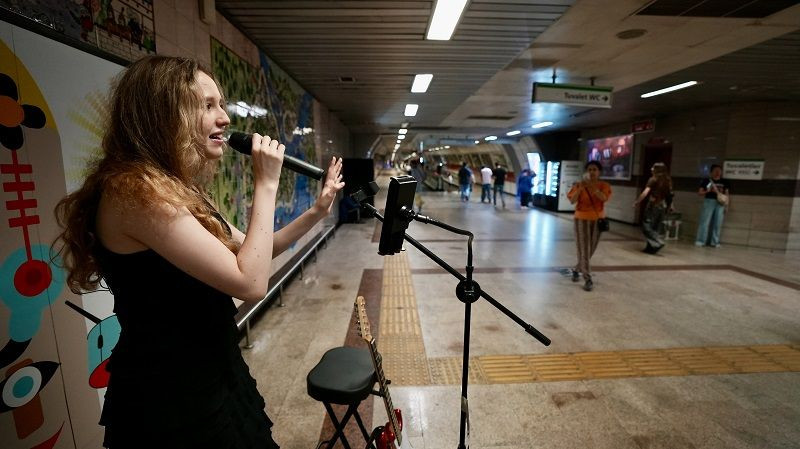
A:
x,y
465,189
499,189
710,220
486,192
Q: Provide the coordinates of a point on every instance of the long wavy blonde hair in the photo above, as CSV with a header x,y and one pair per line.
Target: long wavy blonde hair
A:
x,y
152,155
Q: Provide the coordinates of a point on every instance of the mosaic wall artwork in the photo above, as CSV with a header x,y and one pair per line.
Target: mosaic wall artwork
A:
x,y
122,27
265,100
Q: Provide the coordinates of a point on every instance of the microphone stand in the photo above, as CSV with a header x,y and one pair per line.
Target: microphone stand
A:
x,y
467,291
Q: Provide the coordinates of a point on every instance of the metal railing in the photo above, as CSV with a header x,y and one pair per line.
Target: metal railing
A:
x,y
276,287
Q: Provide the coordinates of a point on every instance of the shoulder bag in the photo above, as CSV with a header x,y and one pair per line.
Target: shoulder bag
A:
x,y
722,198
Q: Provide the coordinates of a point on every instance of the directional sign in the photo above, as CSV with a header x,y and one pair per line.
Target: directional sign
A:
x,y
571,94
744,169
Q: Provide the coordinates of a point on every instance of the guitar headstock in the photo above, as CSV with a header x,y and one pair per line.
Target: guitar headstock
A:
x,y
362,319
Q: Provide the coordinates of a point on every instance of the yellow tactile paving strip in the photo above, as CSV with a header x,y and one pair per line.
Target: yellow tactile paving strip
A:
x,y
406,363
400,338
497,369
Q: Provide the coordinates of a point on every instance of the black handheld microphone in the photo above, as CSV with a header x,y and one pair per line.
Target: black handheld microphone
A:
x,y
243,143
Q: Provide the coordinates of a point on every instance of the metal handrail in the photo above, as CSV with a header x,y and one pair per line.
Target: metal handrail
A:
x,y
243,321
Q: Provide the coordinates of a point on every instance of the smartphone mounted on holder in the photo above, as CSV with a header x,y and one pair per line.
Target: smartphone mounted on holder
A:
x,y
400,194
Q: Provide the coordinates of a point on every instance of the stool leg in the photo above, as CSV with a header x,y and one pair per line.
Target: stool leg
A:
x,y
339,426
363,429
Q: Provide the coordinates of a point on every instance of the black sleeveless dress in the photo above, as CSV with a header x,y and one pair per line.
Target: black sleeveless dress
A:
x,y
177,376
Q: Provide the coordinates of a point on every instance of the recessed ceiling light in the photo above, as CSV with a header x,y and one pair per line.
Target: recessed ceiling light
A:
x,y
542,125
404,125
477,141
445,18
411,110
631,34
669,89
402,131
421,83
490,138
513,133
401,136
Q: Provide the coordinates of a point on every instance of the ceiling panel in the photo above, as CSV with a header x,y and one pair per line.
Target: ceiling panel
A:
x,y
482,77
381,44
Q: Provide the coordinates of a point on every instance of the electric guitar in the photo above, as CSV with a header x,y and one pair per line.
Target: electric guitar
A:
x,y
392,435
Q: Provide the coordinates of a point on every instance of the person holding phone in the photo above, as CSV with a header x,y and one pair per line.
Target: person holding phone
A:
x,y
712,214
143,224
589,197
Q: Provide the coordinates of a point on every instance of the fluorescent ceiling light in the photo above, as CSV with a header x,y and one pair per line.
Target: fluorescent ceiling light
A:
x,y
398,141
669,89
477,141
421,83
489,138
411,110
401,136
445,18
396,146
542,125
447,146
402,131
513,133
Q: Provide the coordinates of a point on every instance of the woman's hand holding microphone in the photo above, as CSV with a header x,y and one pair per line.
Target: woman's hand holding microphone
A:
x,y
267,158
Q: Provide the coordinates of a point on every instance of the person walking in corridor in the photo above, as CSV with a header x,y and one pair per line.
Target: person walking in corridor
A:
x,y
486,184
499,175
418,173
589,196
465,180
659,191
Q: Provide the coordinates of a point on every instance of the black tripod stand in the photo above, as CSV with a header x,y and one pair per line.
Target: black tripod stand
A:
x,y
467,290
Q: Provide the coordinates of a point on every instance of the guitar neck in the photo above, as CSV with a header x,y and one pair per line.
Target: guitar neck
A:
x,y
384,389
377,360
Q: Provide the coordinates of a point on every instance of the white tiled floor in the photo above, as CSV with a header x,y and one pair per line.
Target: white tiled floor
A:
x,y
627,310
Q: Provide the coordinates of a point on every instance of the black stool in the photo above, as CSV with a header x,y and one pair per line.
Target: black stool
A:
x,y
343,376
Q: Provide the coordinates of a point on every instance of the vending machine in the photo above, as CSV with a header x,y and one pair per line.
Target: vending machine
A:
x,y
557,178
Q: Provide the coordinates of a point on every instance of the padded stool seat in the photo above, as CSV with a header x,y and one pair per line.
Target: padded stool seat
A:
x,y
343,376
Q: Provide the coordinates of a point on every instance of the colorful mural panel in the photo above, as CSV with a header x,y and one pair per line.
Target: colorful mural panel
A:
x,y
30,280
49,371
265,100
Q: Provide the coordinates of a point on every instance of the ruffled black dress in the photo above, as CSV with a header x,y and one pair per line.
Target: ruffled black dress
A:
x,y
178,379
